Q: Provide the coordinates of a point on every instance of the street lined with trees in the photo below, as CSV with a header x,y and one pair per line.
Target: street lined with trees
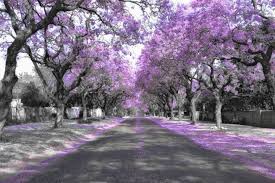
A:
x,y
66,38
219,49
137,91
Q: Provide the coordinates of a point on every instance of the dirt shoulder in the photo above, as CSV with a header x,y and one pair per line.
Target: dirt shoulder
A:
x,y
27,145
255,147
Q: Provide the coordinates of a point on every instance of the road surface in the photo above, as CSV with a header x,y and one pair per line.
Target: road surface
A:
x,y
139,151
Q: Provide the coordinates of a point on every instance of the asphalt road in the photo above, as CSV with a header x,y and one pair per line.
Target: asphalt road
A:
x,y
138,151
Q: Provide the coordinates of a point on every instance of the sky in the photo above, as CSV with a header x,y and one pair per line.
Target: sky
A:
x,y
25,65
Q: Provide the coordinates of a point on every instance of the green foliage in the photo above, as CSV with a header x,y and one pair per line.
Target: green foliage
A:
x,y
32,96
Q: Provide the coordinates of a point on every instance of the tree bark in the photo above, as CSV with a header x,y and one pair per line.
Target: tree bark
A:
x,y
154,112
203,112
270,81
84,104
218,112
172,113
165,114
8,82
103,114
59,116
271,88
180,113
2,124
193,110
179,102
85,112
193,107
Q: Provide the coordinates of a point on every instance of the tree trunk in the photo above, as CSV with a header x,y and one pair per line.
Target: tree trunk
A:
x,y
103,114
272,92
189,96
218,112
59,116
84,104
270,81
165,114
271,87
2,124
85,112
180,113
193,111
154,113
179,103
8,82
203,112
65,113
108,112
172,113
193,108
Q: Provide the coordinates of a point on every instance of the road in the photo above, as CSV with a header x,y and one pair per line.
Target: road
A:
x,y
139,151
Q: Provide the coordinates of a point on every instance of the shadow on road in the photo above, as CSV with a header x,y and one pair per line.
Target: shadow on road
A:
x,y
139,151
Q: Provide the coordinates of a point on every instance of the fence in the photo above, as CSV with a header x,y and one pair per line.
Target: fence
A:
x,y
73,112
23,114
260,118
76,112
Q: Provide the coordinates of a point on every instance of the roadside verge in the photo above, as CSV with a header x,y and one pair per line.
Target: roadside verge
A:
x,y
32,147
257,154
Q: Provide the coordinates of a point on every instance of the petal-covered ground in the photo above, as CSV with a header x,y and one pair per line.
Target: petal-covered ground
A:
x,y
139,151
30,147
255,147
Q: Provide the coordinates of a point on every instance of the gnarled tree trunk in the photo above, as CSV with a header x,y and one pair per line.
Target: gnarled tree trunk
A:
x,y
165,114
154,112
170,108
84,104
193,107
85,113
172,112
180,113
193,111
270,80
2,124
179,103
218,112
103,114
59,116
8,82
